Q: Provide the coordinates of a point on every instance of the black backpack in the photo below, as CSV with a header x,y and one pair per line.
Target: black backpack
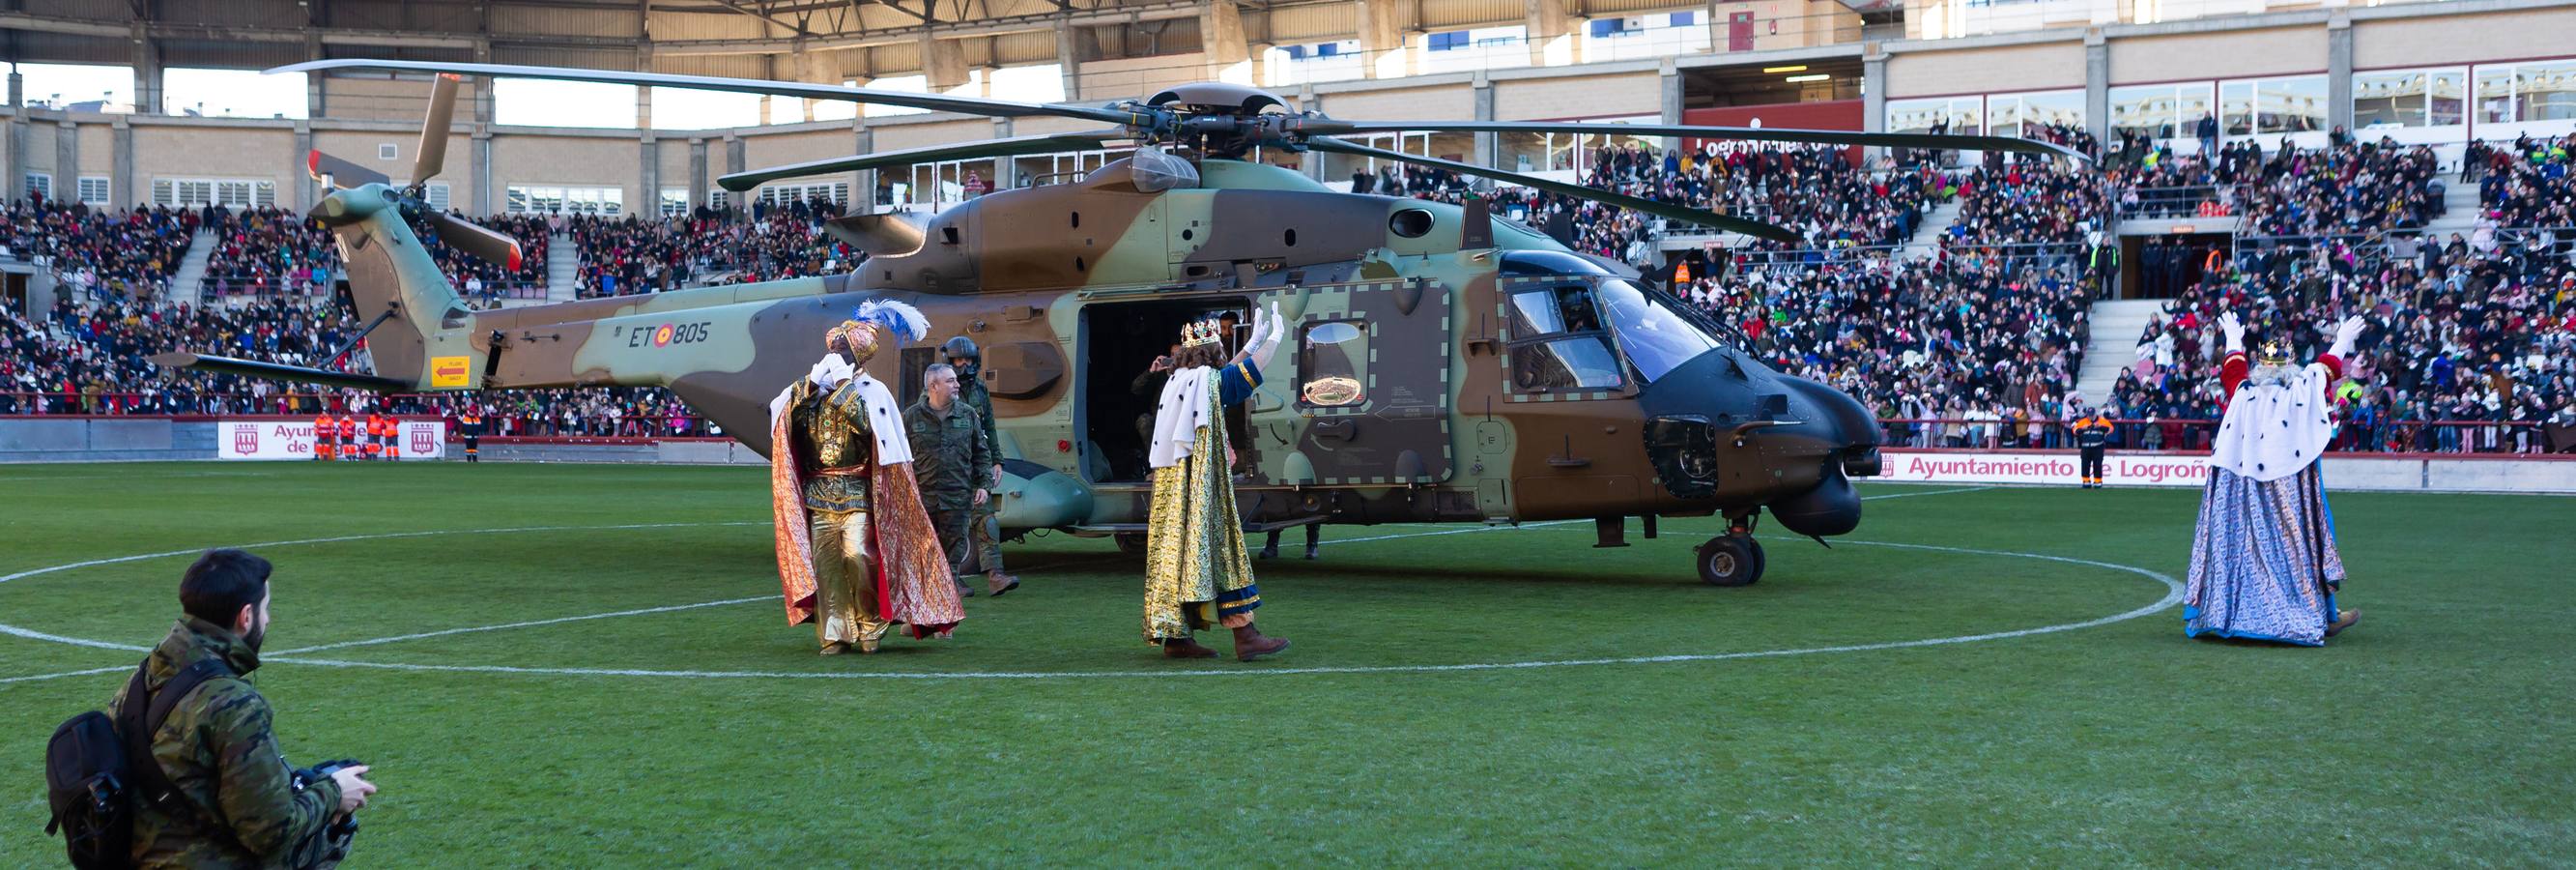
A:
x,y
98,770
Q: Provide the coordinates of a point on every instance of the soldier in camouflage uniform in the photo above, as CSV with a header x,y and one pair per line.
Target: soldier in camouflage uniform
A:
x,y
236,805
986,524
953,461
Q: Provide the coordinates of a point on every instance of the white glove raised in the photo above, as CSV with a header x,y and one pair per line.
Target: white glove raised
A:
x,y
2234,330
1266,332
2346,333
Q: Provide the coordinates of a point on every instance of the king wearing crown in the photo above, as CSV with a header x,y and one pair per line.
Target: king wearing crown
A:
x,y
2263,559
1197,573
856,553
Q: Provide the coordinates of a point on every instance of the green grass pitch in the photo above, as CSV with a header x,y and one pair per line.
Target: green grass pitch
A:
x,y
2441,731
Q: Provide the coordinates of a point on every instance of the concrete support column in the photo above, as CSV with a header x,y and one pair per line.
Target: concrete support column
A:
x,y
816,68
1873,98
487,189
1006,169
306,193
1068,58
2339,69
943,61
122,190
147,71
1489,146
1552,37
649,172
1672,100
1313,161
1221,41
18,153
699,185
313,81
16,185
733,162
66,160
2097,85
484,99
1382,42
863,190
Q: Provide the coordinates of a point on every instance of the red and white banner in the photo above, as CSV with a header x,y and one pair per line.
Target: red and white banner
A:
x,y
2035,467
292,439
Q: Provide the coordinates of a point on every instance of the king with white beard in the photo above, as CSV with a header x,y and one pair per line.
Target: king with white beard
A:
x,y
2263,560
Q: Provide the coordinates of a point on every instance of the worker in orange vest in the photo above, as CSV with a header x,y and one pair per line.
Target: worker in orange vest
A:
x,y
393,438
470,425
322,433
348,446
375,435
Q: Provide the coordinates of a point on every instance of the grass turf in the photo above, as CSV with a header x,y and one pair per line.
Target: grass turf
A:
x,y
2436,733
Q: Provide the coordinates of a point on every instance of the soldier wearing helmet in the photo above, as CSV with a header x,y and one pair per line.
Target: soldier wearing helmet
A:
x,y
984,524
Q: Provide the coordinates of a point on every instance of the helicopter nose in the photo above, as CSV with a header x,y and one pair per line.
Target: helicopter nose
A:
x,y
1843,421
1832,506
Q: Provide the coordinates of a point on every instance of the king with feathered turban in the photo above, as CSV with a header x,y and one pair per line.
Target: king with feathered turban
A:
x,y
854,546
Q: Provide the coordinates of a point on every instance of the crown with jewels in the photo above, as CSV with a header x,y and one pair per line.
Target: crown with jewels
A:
x,y
2274,354
1204,332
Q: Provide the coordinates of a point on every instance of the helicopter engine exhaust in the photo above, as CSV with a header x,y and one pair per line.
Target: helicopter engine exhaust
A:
x,y
1831,508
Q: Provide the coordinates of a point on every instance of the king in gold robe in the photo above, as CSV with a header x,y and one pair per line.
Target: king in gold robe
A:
x,y
856,553
1197,572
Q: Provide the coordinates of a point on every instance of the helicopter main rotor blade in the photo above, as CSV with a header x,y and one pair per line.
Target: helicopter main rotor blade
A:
x,y
1336,127
1676,212
342,173
490,245
933,102
431,156
1040,144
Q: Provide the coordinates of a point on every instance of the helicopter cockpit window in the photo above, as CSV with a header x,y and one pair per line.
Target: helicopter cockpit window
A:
x,y
1657,338
1558,341
1566,364
1550,310
1333,365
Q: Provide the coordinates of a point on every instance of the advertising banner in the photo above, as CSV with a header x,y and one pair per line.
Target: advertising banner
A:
x,y
2039,467
293,439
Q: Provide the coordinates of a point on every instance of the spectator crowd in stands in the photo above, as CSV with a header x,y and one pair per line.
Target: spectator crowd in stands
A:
x,y
630,255
96,252
1981,327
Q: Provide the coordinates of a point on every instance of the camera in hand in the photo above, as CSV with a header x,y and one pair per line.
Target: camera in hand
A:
x,y
336,837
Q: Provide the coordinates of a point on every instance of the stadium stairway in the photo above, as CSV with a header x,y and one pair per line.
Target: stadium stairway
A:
x,y
2459,209
563,268
1927,238
2113,345
189,283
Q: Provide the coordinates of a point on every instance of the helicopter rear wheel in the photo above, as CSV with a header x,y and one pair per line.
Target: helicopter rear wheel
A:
x,y
1131,543
1730,560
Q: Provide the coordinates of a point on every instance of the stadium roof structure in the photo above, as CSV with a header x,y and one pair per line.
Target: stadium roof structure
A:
x,y
704,37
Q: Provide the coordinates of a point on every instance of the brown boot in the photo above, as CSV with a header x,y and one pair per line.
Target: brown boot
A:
x,y
999,583
1186,648
2343,620
1250,644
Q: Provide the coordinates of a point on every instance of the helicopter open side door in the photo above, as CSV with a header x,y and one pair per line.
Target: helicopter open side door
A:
x,y
1370,387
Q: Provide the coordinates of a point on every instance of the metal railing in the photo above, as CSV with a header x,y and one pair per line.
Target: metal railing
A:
x,y
2379,436
2184,201
545,422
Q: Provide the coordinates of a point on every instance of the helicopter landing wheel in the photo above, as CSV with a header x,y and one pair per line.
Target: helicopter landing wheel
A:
x,y
1730,560
1131,543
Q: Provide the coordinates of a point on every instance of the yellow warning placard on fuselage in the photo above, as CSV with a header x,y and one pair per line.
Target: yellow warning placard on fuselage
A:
x,y
449,371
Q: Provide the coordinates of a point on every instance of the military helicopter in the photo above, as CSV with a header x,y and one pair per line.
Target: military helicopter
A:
x,y
1446,365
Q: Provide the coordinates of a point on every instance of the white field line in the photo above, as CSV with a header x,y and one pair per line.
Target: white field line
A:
x,y
2175,595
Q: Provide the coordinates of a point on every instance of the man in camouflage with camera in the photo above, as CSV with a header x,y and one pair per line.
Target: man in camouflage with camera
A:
x,y
237,803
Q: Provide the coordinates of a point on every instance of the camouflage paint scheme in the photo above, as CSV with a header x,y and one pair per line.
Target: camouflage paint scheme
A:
x,y
1440,436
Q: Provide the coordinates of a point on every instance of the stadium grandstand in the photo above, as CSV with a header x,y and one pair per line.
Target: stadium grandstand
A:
x,y
2296,161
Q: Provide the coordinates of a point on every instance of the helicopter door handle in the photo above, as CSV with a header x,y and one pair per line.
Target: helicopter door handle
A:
x,y
1569,462
1336,430
1481,345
